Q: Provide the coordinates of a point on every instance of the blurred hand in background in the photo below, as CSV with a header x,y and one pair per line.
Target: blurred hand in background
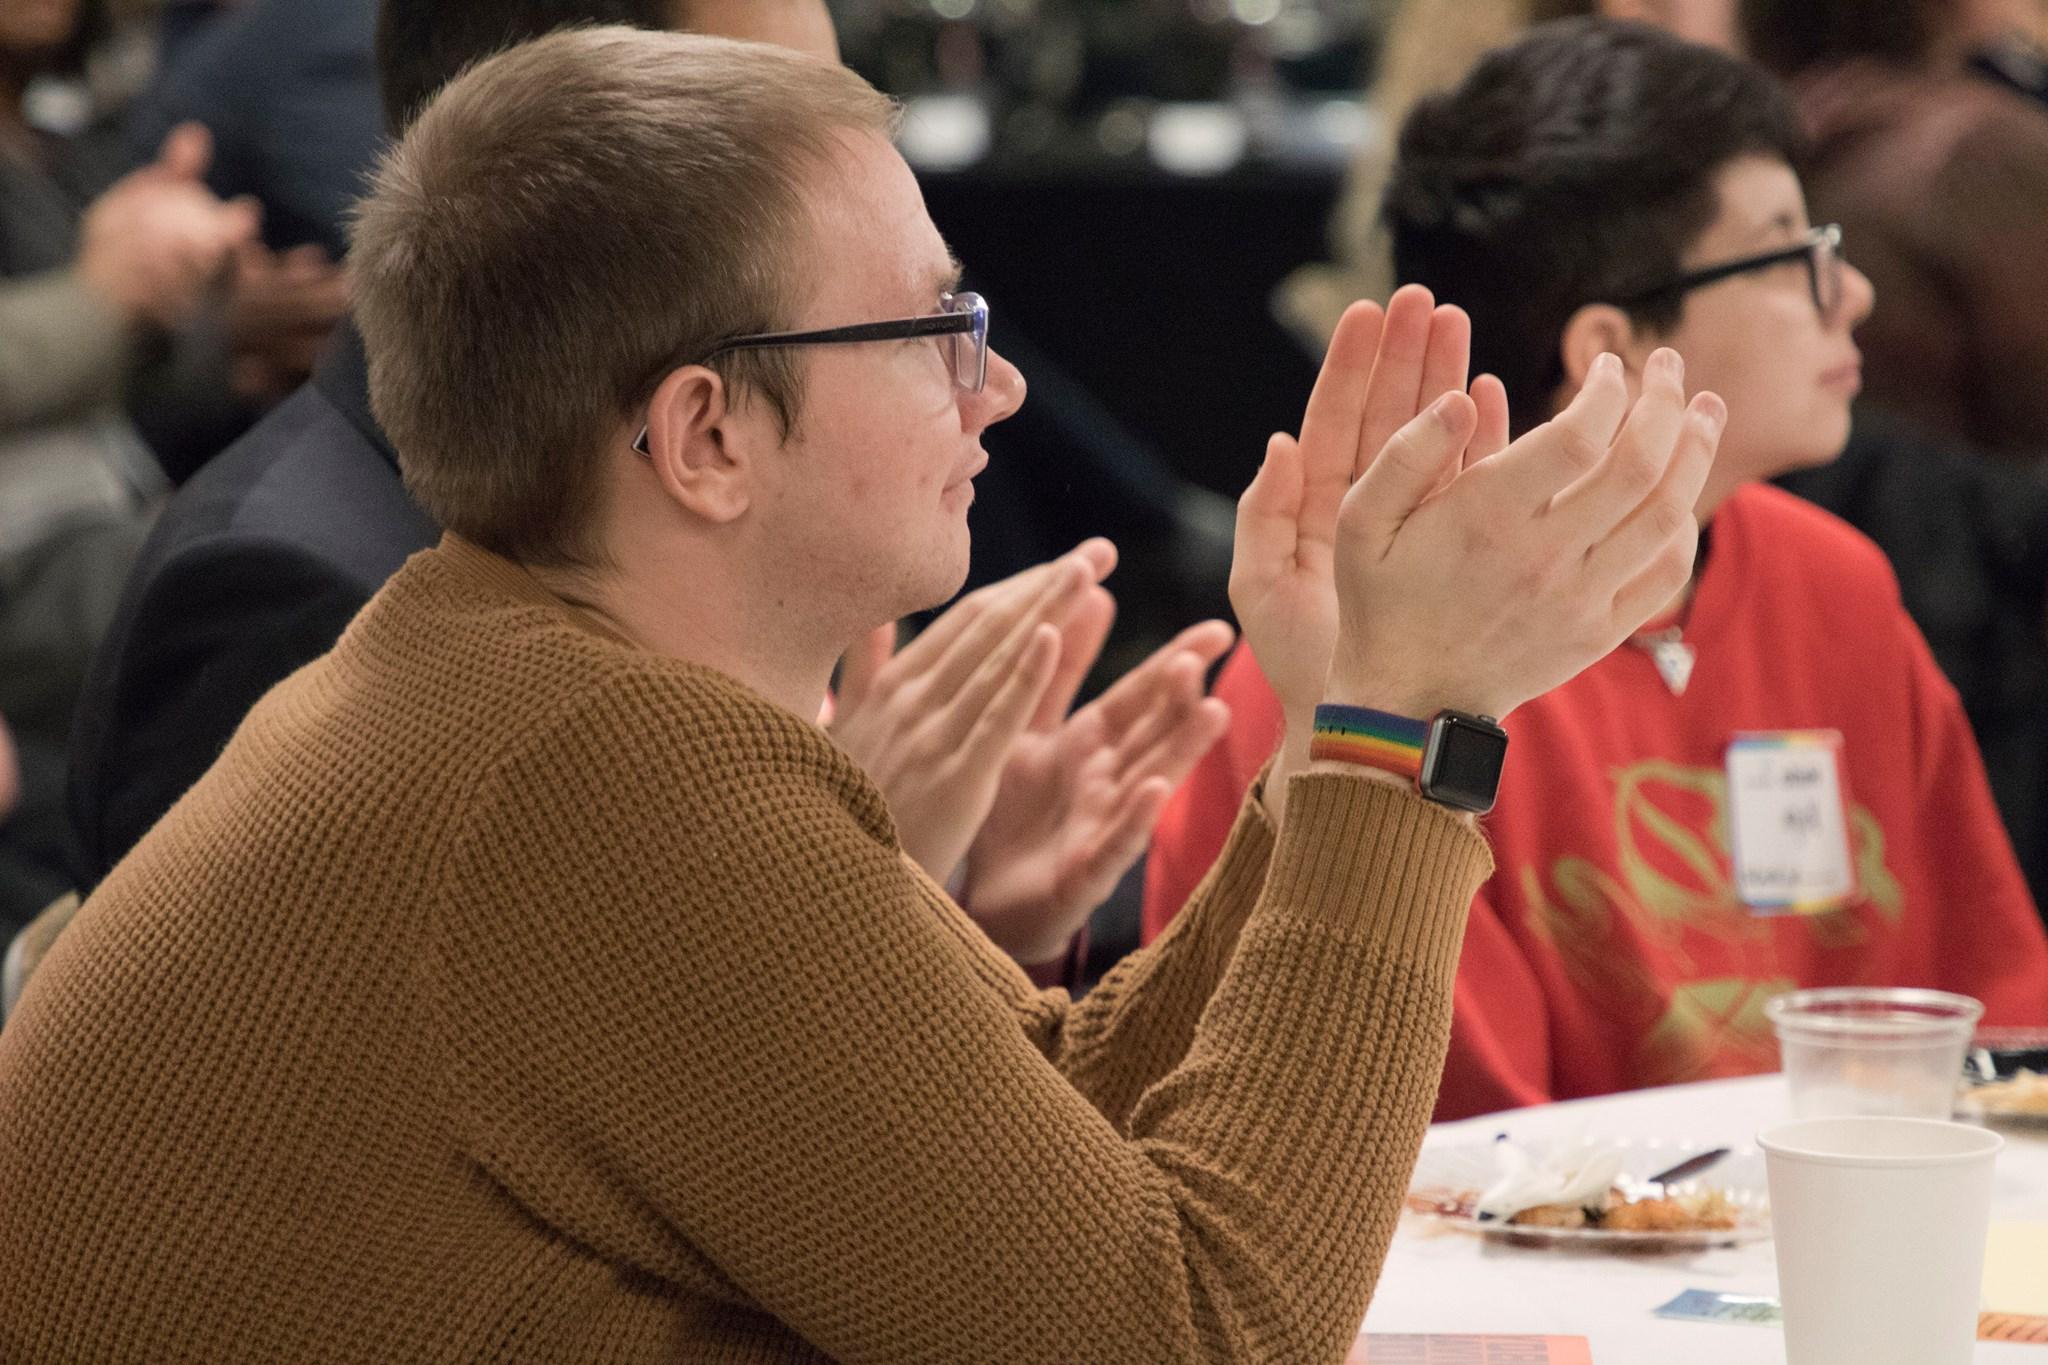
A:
x,y
281,309
10,773
156,242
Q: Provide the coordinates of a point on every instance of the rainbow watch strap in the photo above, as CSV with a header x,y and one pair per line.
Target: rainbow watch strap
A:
x,y
1353,734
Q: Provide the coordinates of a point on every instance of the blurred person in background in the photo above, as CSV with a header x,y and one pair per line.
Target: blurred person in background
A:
x,y
1967,533
192,388
2012,46
289,92
1940,177
99,280
289,292
179,23
261,560
289,88
1602,187
1429,46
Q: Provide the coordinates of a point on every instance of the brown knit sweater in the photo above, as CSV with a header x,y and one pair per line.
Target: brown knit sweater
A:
x,y
508,994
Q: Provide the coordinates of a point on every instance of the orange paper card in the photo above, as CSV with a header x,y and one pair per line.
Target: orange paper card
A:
x,y
2012,1327
1380,1348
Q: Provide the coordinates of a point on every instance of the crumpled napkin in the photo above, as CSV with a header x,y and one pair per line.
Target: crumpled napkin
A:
x,y
1577,1173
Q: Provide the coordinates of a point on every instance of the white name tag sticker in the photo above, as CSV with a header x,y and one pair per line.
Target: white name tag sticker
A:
x,y
1788,822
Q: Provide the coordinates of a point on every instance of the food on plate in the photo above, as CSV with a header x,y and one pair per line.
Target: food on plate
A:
x,y
2023,1093
1707,1211
1579,1187
1577,1175
1553,1216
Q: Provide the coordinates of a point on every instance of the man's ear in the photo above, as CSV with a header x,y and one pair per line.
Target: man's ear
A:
x,y
1593,331
701,452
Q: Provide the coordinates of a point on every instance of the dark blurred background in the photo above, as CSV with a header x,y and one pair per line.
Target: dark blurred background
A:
x,y
1128,180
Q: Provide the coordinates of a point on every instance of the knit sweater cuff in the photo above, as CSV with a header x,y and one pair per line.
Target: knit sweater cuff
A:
x,y
1381,863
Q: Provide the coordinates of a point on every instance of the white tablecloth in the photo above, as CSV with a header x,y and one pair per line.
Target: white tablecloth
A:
x,y
1447,1281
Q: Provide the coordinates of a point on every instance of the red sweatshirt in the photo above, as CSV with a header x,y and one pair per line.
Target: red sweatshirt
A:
x,y
1609,950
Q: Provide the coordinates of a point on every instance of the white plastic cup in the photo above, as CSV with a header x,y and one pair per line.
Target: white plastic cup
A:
x,y
1879,1225
1873,1050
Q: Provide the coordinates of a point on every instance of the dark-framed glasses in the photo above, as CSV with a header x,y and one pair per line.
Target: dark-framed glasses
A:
x,y
960,324
1820,248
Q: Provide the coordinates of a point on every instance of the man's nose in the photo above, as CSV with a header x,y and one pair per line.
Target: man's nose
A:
x,y
1000,398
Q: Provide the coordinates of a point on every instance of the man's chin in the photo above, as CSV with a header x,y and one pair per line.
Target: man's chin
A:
x,y
948,589
938,579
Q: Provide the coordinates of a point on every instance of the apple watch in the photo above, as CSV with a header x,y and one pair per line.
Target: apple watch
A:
x,y
1453,758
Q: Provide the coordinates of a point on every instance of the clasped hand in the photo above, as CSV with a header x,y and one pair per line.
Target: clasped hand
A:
x,y
967,732
1403,554
158,240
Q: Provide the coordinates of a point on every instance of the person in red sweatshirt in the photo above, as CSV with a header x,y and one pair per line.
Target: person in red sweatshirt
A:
x,y
1772,786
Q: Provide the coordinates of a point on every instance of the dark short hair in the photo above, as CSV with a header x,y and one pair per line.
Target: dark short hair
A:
x,y
1791,36
1574,166
424,44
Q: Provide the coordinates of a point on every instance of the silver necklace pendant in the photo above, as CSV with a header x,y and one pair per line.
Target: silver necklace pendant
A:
x,y
1674,659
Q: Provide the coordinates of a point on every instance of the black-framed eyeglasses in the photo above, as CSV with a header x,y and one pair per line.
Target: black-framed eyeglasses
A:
x,y
1821,249
961,324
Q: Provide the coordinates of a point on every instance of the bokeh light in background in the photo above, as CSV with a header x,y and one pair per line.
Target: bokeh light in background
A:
x,y
1090,159
1066,78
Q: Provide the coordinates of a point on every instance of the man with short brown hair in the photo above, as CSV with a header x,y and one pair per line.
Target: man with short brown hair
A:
x,y
455,246
260,562
533,979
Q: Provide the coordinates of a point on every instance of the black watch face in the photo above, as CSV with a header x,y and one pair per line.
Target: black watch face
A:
x,y
1463,766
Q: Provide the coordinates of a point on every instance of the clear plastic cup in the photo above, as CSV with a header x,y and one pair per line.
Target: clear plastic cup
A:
x,y
1886,1051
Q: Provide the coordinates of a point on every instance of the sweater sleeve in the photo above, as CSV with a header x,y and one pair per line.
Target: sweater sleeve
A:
x,y
1137,1024
1197,820
706,1023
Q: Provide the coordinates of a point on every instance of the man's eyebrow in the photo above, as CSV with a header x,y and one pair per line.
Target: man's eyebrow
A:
x,y
946,279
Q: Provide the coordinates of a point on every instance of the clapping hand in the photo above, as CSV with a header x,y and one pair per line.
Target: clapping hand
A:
x,y
1557,548
967,733
158,240
1081,794
1457,570
1383,368
933,724
281,309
